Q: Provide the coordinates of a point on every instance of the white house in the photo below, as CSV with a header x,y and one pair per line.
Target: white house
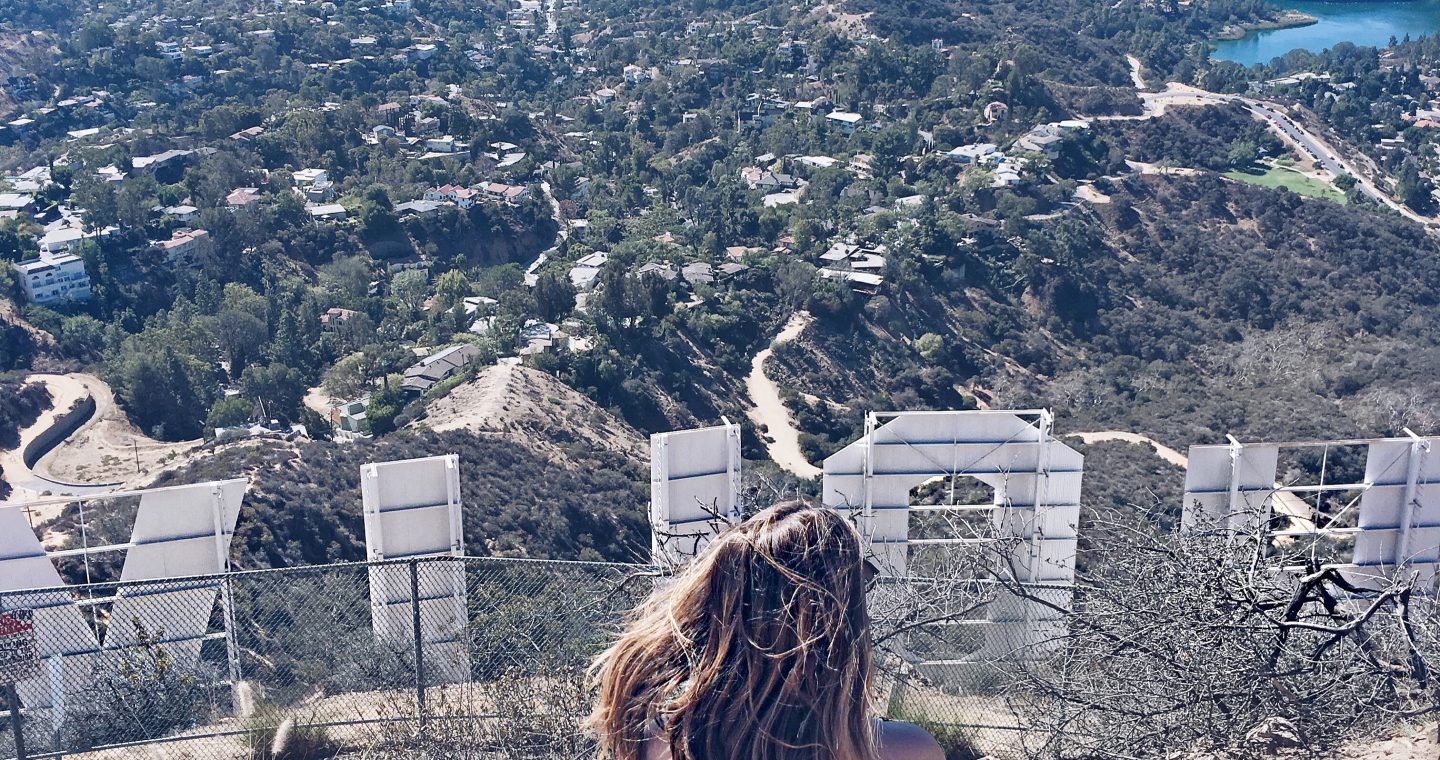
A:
x,y
635,75
303,177
502,192
587,270
463,197
847,122
16,202
444,144
973,154
54,278
181,213
183,244
61,240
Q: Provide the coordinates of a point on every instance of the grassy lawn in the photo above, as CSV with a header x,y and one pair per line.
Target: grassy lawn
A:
x,y
1279,176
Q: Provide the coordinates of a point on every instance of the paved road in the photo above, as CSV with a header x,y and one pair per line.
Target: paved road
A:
x,y
64,390
1292,132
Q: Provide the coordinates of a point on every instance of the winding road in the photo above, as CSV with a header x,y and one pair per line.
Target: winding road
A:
x,y
104,454
1294,134
65,391
772,420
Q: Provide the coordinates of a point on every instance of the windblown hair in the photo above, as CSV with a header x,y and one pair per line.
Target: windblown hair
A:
x,y
758,650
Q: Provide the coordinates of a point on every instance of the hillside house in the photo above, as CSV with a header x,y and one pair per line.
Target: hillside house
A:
x,y
975,154
463,197
437,367
334,317
158,161
446,144
55,277
762,179
499,191
417,208
16,202
183,245
181,213
247,136
326,212
242,196
846,121
586,271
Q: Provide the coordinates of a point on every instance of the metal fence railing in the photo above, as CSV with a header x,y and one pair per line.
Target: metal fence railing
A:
x,y
323,661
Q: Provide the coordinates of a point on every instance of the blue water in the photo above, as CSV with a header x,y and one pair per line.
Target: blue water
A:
x,y
1363,23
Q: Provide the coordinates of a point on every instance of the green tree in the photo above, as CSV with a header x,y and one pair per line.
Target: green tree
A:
x,y
408,290
277,388
385,405
451,288
228,412
931,346
554,296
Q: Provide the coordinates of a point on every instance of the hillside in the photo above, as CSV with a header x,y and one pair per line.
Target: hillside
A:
x,y
1185,309
533,409
527,492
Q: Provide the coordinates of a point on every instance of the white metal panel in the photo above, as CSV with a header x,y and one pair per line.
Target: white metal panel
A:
x,y
1400,509
179,532
63,637
694,489
1228,485
443,614
1036,481
874,476
413,510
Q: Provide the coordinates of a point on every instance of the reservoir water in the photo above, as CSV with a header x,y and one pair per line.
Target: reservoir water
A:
x,y
1363,23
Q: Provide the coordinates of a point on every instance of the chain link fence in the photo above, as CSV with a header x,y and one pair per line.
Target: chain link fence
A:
x,y
321,662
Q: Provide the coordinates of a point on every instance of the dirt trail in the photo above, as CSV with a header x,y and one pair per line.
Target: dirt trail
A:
x,y
29,484
1161,450
781,437
1136,69
1286,503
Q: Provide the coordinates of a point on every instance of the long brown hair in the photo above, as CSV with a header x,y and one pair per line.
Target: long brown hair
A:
x,y
758,650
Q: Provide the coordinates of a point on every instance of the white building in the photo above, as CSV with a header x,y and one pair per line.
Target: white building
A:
x,y
444,144
304,177
183,245
54,278
974,154
847,122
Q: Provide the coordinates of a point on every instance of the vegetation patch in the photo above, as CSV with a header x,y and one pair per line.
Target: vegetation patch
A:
x,y
1289,179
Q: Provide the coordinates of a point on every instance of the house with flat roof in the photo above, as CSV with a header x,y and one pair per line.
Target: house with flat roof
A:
x,y
847,121
326,212
183,244
54,278
975,154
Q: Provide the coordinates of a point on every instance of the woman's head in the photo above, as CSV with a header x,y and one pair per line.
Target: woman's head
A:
x,y
759,649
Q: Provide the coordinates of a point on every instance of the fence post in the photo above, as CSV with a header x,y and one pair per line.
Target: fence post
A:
x,y
17,721
419,640
12,698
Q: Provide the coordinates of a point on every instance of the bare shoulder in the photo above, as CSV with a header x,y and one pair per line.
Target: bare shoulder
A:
x,y
906,741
